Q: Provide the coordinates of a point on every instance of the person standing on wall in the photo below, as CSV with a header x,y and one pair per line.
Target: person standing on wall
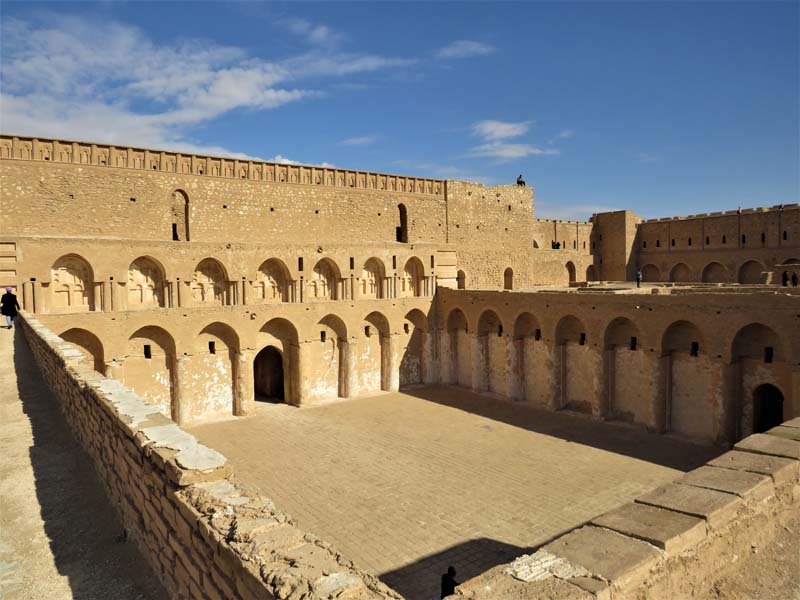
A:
x,y
638,278
9,307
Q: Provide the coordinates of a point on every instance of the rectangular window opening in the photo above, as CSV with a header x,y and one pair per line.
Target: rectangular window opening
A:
x,y
432,261
633,342
537,335
322,336
582,340
769,354
175,236
133,199
695,351
394,262
212,347
499,331
367,331
147,351
405,327
352,263
299,263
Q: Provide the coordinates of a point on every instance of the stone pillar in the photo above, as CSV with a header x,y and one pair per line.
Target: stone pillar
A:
x,y
429,370
27,295
561,358
607,391
391,359
446,374
39,300
243,292
477,344
350,356
663,406
516,353
244,389
181,395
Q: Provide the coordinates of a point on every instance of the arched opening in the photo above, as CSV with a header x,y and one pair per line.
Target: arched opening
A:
x,y
71,285
268,375
493,355
146,284
576,364
460,368
416,351
374,355
627,374
650,273
767,408
461,280
272,283
508,279
332,355
590,276
526,330
680,273
179,210
210,283
570,272
372,279
714,272
324,281
282,335
413,281
689,407
751,272
89,344
402,229
212,365
148,369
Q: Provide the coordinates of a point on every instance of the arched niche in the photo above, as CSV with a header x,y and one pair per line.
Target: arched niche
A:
x,y
179,213
590,273
457,355
149,366
71,285
412,283
629,381
650,273
751,272
508,279
714,272
570,267
680,273
374,357
210,283
373,274
89,344
146,284
401,233
416,351
491,373
272,283
331,358
324,281
461,280
527,333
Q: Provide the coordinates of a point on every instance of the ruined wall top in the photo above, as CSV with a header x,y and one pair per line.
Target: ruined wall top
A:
x,y
128,157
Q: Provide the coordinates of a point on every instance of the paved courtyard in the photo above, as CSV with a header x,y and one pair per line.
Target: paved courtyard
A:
x,y
406,484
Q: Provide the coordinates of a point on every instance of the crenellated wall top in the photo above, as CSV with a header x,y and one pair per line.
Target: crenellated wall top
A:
x,y
129,157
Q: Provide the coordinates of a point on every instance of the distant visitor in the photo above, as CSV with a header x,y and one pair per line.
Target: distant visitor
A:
x,y
449,582
9,307
638,278
794,279
520,181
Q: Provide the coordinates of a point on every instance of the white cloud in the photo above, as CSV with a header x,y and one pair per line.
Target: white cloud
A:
x,y
318,35
77,78
358,141
565,134
505,151
464,49
499,130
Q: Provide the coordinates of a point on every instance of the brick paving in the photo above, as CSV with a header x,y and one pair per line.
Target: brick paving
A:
x,y
406,484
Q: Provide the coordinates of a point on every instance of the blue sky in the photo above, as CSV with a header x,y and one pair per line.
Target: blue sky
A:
x,y
665,108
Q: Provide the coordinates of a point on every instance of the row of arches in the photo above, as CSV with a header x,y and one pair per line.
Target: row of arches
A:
x,y
73,287
615,377
211,374
749,272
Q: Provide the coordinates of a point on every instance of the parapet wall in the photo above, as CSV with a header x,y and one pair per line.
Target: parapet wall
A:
x,y
204,536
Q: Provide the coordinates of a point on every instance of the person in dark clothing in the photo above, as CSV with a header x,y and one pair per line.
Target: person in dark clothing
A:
x,y
638,278
794,279
785,278
9,307
449,582
520,181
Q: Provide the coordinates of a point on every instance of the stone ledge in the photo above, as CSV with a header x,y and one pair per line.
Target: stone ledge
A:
x,y
781,470
772,445
717,508
746,485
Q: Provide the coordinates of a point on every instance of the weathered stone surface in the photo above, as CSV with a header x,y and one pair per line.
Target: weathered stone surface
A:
x,y
747,485
191,454
543,565
496,584
792,423
762,443
780,469
621,560
671,531
717,508
790,433
600,590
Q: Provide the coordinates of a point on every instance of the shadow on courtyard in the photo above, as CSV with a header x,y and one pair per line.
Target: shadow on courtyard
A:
x,y
618,438
82,527
421,579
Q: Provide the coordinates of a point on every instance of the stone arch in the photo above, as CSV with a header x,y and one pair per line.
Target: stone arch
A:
x,y
570,271
401,233
412,283
89,344
527,332
651,273
324,282
281,334
751,271
570,330
459,363
269,375
179,212
461,280
590,273
375,354
767,407
714,272
148,368
490,372
759,342
333,354
71,285
508,279
680,273
272,283
627,378
213,364
574,361
146,284
210,283
416,349
373,275
689,408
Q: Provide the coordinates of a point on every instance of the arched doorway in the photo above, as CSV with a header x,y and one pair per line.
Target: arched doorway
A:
x,y
180,216
570,272
767,408
751,272
651,273
590,275
402,229
268,375
680,273
714,273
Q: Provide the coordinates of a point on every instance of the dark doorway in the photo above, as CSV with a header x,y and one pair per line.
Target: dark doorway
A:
x,y
767,408
402,230
268,375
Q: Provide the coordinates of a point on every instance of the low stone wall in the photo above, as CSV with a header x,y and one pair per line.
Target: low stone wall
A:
x,y
204,536
670,542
